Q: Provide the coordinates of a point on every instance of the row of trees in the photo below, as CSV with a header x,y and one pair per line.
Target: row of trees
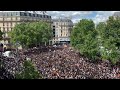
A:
x,y
31,33
100,42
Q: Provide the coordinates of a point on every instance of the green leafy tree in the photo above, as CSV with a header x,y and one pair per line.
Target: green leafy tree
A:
x,y
1,33
109,33
19,34
45,32
84,38
28,34
29,72
101,27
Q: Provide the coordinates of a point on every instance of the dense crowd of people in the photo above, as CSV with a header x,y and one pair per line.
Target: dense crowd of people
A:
x,y
67,64
63,63
5,74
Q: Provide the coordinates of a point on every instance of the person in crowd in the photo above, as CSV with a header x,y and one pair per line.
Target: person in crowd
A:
x,y
62,64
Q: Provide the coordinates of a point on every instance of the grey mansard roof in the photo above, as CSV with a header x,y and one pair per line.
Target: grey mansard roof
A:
x,y
10,14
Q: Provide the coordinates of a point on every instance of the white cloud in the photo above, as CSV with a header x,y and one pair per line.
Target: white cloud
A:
x,y
102,16
75,15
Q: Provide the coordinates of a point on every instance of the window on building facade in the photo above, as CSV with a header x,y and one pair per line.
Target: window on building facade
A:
x,y
11,24
3,24
53,30
7,29
11,18
7,24
17,14
56,32
3,29
7,14
43,16
11,14
40,16
33,15
30,14
53,26
16,18
36,15
25,14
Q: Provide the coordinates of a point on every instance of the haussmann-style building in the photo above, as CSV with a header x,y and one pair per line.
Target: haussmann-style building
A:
x,y
61,30
8,20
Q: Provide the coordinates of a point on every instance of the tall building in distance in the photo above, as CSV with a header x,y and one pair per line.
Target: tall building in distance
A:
x,y
8,20
61,30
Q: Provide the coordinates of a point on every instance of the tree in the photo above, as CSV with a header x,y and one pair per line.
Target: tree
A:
x,y
19,34
101,27
109,33
28,34
84,38
102,41
1,33
29,72
44,32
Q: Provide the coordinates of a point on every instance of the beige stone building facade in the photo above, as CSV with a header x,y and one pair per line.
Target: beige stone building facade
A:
x,y
8,20
61,30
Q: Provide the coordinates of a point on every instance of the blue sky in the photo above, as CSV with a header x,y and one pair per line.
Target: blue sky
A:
x,y
96,16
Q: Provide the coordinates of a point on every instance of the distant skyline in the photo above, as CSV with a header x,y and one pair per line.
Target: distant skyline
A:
x,y
96,16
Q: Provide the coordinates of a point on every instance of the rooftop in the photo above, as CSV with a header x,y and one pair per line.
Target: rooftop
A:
x,y
20,13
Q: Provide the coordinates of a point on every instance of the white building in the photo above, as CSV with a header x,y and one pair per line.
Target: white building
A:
x,y
61,30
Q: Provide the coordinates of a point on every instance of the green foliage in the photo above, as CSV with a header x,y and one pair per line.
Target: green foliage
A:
x,y
84,38
31,33
109,33
104,40
1,33
29,72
